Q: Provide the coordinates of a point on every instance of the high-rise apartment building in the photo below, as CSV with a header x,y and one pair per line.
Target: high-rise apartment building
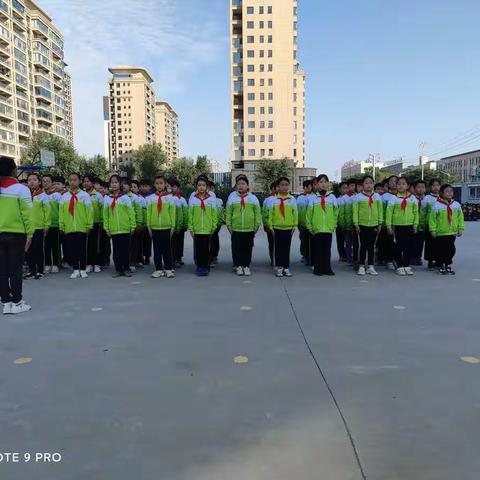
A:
x,y
68,107
267,85
166,120
132,113
33,79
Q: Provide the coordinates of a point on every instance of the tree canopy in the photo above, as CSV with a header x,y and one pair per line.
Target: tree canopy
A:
x,y
270,170
149,160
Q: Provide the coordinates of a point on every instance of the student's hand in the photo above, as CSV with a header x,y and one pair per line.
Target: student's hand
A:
x,y
256,231
415,229
379,230
28,243
172,231
45,232
390,230
434,235
230,230
357,228
192,234
109,233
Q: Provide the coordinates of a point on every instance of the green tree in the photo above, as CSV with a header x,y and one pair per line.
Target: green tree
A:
x,y
270,170
183,169
203,166
96,166
413,174
149,160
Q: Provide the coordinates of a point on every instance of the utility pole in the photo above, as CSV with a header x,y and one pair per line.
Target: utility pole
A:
x,y
421,147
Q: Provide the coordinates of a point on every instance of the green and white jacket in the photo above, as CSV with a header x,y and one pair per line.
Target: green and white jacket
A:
x,y
243,216
367,210
182,213
54,199
402,211
202,215
161,211
422,213
302,202
322,214
282,213
16,207
41,210
118,214
75,216
345,211
139,208
97,205
446,218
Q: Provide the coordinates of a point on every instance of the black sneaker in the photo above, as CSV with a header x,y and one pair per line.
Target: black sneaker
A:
x,y
127,274
443,271
117,275
38,276
29,276
450,271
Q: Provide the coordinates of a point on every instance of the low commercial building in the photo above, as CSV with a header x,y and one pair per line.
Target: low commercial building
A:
x,y
464,166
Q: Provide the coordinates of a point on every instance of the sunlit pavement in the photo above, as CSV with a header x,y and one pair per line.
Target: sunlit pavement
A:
x,y
213,379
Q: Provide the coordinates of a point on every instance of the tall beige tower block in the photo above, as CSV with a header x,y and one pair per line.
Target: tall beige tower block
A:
x,y
166,120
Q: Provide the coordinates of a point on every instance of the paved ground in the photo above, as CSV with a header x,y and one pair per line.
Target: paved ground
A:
x,y
136,379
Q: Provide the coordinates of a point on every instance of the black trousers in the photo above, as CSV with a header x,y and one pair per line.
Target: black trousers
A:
x,y
121,252
201,247
404,241
368,238
271,246
242,246
105,249
323,253
12,256
162,249
36,253
430,247
136,249
419,242
146,245
93,246
352,244
52,247
445,249
178,245
76,249
311,243
283,243
304,243
386,247
342,253
215,244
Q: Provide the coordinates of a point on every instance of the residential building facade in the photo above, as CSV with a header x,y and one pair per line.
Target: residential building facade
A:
x,y
353,168
267,84
166,121
131,113
35,89
464,166
69,108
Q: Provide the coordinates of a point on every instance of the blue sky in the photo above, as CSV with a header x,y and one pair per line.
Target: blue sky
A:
x,y
382,75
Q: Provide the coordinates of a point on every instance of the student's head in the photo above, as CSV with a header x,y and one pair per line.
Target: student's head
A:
x,y
97,184
211,186
88,181
242,184
47,182
368,183
273,187
359,187
135,187
314,185
342,188
323,183
283,186
34,181
126,183
435,184
420,188
379,188
115,183
392,183
8,167
160,183
59,184
100,188
446,192
402,185
174,185
145,186
351,186
74,181
307,187
201,184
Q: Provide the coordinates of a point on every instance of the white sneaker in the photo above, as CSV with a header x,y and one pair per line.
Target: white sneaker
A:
x,y
239,271
401,271
97,269
75,274
371,271
20,307
158,274
83,274
361,271
247,272
170,274
279,272
48,269
55,269
133,269
7,308
89,269
287,273
409,271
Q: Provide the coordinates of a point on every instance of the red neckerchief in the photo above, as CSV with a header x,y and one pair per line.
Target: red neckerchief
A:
x,y
178,195
37,192
160,201
115,198
6,182
323,202
370,199
403,206
73,201
419,202
282,204
449,209
202,200
242,199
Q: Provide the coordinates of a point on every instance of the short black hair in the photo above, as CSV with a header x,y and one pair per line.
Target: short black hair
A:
x,y
202,178
406,180
434,180
379,185
323,176
366,177
115,176
393,176
135,182
444,187
59,180
145,182
242,178
160,177
174,182
283,179
76,174
307,183
7,166
352,181
48,175
418,182
273,185
341,184
34,174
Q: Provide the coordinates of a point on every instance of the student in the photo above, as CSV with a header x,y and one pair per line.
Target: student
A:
x,y
268,231
243,218
202,222
387,241
178,238
16,232
119,222
419,188
93,240
105,249
145,191
310,239
76,220
139,206
446,222
215,240
321,220
346,222
52,239
282,219
42,221
430,242
402,224
342,253
302,200
161,221
379,188
367,220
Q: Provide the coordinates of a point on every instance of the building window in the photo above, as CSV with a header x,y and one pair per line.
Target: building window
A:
x,y
270,138
262,110
250,53
262,24
270,152
270,39
270,110
262,39
270,82
270,53
294,97
251,82
262,138
250,10
262,82
262,53
270,124
295,125
251,96
270,24
251,138
251,110
261,10
294,83
270,96
251,152
262,67
262,124
262,96
250,39
270,67
250,24
270,10
251,124
295,111
250,68
262,152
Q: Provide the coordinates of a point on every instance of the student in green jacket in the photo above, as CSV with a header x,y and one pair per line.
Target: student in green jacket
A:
x,y
321,221
202,222
119,222
268,231
402,223
161,221
367,212
178,238
16,231
243,219
282,219
302,201
446,223
42,221
93,242
52,239
419,190
430,243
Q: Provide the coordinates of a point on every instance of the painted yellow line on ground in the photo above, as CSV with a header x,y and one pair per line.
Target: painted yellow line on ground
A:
x,y
22,361
240,359
472,360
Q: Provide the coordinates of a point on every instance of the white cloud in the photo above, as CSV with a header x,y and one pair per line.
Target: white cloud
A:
x,y
170,38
